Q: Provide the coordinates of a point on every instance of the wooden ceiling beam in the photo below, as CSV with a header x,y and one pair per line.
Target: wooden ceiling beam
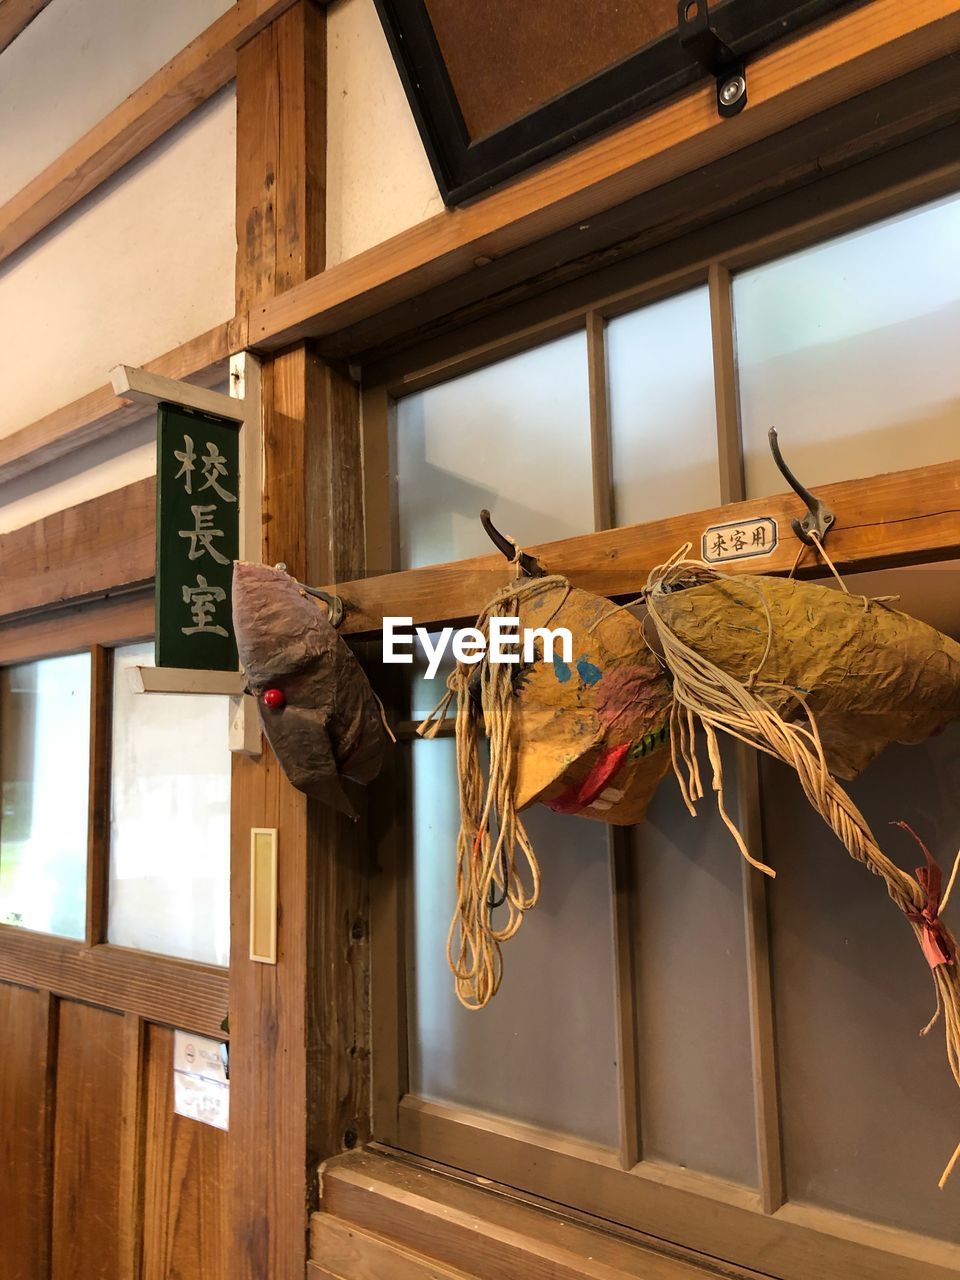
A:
x,y
187,80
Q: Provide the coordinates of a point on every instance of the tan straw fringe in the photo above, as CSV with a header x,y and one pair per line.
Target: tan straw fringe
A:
x,y
473,944
705,693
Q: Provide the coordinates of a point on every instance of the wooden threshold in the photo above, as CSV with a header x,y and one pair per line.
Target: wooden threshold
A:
x,y
187,80
15,16
898,518
875,43
203,361
97,549
450,1228
176,993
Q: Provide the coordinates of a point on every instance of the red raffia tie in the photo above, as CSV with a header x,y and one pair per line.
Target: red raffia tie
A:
x,y
933,937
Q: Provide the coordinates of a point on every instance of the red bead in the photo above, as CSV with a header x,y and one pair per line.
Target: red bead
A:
x,y
274,699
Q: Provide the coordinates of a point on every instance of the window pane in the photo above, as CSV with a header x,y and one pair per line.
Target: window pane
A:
x,y
513,437
695,1044
544,1052
663,416
45,767
868,1104
170,832
849,349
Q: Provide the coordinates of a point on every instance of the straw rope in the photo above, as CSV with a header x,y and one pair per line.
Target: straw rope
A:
x,y
507,863
706,694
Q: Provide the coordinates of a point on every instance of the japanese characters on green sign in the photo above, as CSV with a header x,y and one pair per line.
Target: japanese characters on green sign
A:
x,y
198,538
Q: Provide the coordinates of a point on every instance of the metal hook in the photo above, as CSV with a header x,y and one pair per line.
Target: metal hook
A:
x,y
819,518
334,604
529,565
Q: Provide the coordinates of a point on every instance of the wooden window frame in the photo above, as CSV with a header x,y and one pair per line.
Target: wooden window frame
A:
x,y
144,985
746,1226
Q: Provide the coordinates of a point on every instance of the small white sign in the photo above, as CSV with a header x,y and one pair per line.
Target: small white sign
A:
x,y
724,542
201,1090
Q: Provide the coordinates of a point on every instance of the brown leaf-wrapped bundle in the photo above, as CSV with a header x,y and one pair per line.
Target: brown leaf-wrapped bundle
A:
x,y
318,710
867,673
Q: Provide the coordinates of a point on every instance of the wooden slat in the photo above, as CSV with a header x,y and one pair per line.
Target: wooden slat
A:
x,y
600,447
27,1071
188,79
832,63
891,519
107,622
97,548
132,1128
202,360
86,1187
159,988
484,1234
349,1253
15,16
185,1180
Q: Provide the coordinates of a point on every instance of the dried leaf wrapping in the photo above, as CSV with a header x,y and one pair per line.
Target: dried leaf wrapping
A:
x,y
330,726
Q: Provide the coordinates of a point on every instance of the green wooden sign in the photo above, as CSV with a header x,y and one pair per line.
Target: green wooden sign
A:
x,y
198,538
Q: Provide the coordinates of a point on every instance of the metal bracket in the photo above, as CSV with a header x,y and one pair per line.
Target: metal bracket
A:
x,y
700,40
335,606
819,518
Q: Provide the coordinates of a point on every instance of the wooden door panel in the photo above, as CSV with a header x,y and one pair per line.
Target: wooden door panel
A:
x,y
28,1020
184,1205
86,1178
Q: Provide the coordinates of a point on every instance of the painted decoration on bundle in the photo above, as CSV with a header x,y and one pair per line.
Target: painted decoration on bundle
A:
x,y
318,710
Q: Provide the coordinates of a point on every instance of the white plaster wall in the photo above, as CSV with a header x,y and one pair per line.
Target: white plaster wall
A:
x,y
379,180
141,266
74,63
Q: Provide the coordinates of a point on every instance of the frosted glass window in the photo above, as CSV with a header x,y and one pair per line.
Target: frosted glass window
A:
x,y
697,1106
170,819
663,417
513,437
45,773
864,1097
850,350
544,1052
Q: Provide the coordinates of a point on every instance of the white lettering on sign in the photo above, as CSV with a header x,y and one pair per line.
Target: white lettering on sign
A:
x,y
740,541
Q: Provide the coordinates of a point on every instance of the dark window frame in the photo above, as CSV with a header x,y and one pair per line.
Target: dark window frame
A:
x,y
466,167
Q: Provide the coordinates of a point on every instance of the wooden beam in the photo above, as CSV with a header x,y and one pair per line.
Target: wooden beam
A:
x,y
110,622
828,65
178,993
299,1078
15,16
96,549
202,361
899,518
188,79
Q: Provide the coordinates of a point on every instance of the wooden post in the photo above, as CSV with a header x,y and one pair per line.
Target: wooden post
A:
x,y
299,1056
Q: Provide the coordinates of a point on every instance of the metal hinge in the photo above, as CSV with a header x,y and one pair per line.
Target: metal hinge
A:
x,y
699,39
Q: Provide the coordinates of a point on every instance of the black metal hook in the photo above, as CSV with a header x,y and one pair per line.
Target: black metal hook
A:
x,y
529,565
819,518
335,607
